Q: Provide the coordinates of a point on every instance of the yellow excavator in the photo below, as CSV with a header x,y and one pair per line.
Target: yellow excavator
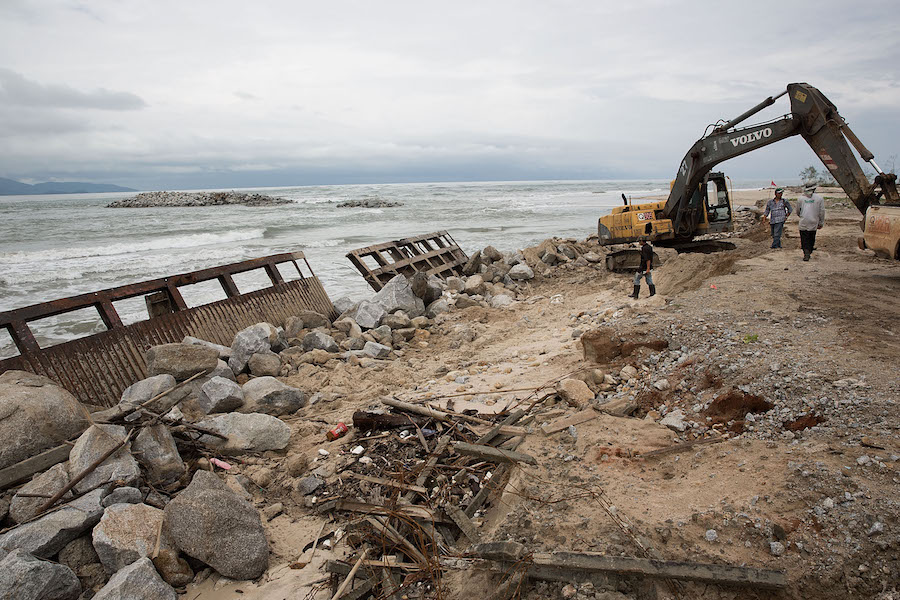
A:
x,y
699,202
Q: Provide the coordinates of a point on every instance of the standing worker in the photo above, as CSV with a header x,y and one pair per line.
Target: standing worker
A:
x,y
777,211
811,210
644,270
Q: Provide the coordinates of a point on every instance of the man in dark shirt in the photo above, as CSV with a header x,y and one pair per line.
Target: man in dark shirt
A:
x,y
644,270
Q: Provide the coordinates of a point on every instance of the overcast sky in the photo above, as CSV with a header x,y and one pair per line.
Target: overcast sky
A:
x,y
222,93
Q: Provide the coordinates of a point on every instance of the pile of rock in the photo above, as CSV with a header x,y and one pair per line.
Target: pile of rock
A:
x,y
369,203
182,199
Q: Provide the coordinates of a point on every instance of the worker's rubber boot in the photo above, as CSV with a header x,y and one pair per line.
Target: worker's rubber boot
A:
x,y
652,290
806,254
637,291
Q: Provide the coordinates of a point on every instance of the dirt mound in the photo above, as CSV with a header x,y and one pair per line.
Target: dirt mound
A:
x,y
689,271
733,405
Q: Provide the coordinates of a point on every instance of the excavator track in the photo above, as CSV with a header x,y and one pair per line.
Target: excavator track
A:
x,y
629,260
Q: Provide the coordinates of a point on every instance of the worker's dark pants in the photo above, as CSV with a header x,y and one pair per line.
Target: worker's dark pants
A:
x,y
807,240
777,229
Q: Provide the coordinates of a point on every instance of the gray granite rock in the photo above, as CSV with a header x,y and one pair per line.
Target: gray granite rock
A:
x,y
397,295
264,364
343,304
310,484
78,553
48,483
367,314
521,272
48,535
224,351
376,350
473,265
128,532
91,445
181,361
156,450
211,523
24,577
311,319
316,340
247,432
269,396
474,285
248,341
222,370
455,284
35,414
137,581
123,495
438,307
145,389
348,326
220,395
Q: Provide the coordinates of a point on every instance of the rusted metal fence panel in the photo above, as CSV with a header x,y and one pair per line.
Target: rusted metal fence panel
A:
x,y
433,253
97,368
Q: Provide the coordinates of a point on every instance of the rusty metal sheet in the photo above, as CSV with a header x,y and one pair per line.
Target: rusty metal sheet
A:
x,y
433,253
97,368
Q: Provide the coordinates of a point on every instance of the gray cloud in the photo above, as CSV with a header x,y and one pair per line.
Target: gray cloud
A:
x,y
15,89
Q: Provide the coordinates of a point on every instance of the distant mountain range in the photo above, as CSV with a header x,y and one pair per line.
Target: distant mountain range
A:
x,y
10,187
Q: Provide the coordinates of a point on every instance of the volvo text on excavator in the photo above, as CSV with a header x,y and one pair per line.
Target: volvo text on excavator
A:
x,y
699,203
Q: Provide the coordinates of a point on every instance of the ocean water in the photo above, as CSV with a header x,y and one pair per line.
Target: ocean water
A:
x,y
60,245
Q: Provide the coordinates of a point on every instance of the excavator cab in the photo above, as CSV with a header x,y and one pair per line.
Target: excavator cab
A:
x,y
717,204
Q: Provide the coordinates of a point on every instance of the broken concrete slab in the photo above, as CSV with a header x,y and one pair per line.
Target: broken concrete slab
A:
x,y
209,522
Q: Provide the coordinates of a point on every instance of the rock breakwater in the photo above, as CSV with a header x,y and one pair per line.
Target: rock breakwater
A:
x,y
182,199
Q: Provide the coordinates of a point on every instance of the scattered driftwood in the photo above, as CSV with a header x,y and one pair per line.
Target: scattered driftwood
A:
x,y
367,421
416,409
24,469
573,419
579,566
680,447
350,575
463,522
389,483
493,454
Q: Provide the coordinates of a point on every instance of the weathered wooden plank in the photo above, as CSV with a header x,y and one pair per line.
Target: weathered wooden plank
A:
x,y
493,454
408,510
481,497
573,419
415,408
565,566
24,469
493,433
463,522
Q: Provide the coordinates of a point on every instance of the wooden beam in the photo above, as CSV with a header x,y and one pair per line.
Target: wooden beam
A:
x,y
493,433
415,408
414,511
389,483
463,522
24,469
493,454
573,419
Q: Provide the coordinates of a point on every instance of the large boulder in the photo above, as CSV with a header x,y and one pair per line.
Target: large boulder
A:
x,y
224,351
367,314
48,535
474,285
395,321
156,450
438,307
35,414
521,272
473,265
137,581
574,392
311,319
491,254
246,433
128,532
181,361
249,341
211,523
376,350
24,577
264,364
343,304
397,294
90,446
145,389
427,287
269,396
78,553
219,395
316,340
348,326
22,508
